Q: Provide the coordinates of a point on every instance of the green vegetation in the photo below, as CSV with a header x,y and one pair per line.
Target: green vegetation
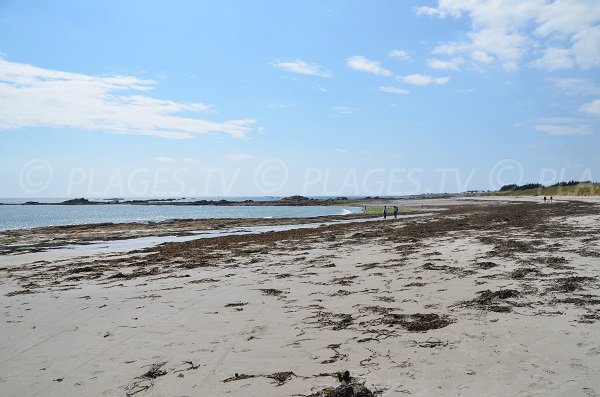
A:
x,y
513,187
571,188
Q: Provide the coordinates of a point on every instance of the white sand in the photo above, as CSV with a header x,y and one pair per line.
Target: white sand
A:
x,y
97,338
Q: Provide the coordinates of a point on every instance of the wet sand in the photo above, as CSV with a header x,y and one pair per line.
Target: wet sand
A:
x,y
492,299
44,238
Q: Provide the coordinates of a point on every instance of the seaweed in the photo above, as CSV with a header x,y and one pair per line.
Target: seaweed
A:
x,y
486,265
570,284
280,378
523,272
146,380
344,322
272,291
495,301
418,322
236,304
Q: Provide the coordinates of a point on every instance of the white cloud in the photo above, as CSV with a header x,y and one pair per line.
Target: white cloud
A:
x,y
586,47
562,126
37,97
393,90
423,80
343,110
451,64
465,91
399,54
162,159
437,12
302,67
238,157
363,64
592,107
341,151
481,56
509,30
554,58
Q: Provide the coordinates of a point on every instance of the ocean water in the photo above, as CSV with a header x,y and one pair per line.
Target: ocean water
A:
x,y
48,200
30,216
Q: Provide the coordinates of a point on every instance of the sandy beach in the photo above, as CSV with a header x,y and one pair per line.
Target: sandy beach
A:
x,y
491,297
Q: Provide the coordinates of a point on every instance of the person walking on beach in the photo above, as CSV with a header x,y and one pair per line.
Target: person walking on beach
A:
x,y
384,211
550,198
395,212
544,199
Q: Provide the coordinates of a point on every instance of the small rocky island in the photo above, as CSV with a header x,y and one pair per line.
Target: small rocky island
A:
x,y
291,200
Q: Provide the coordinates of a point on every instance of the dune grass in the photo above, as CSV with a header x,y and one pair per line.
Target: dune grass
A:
x,y
582,189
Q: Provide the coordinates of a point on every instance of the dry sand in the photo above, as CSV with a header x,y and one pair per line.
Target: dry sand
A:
x,y
490,299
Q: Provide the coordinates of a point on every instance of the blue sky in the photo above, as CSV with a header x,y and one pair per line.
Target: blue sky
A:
x,y
242,98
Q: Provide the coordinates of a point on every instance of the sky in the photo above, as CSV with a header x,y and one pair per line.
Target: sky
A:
x,y
265,98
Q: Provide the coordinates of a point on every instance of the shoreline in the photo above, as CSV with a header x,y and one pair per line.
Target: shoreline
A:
x,y
14,241
36,239
15,255
46,237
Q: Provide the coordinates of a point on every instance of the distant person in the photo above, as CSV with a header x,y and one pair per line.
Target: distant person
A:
x,y
395,212
550,198
544,199
384,211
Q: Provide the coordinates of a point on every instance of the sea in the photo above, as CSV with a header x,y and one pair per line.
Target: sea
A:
x,y
15,216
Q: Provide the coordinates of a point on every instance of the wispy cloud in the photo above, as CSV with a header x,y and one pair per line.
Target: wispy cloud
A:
x,y
592,108
363,64
302,67
393,90
437,12
508,31
341,151
576,86
36,97
450,64
238,157
162,159
562,126
423,79
399,54
478,55
554,58
343,110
